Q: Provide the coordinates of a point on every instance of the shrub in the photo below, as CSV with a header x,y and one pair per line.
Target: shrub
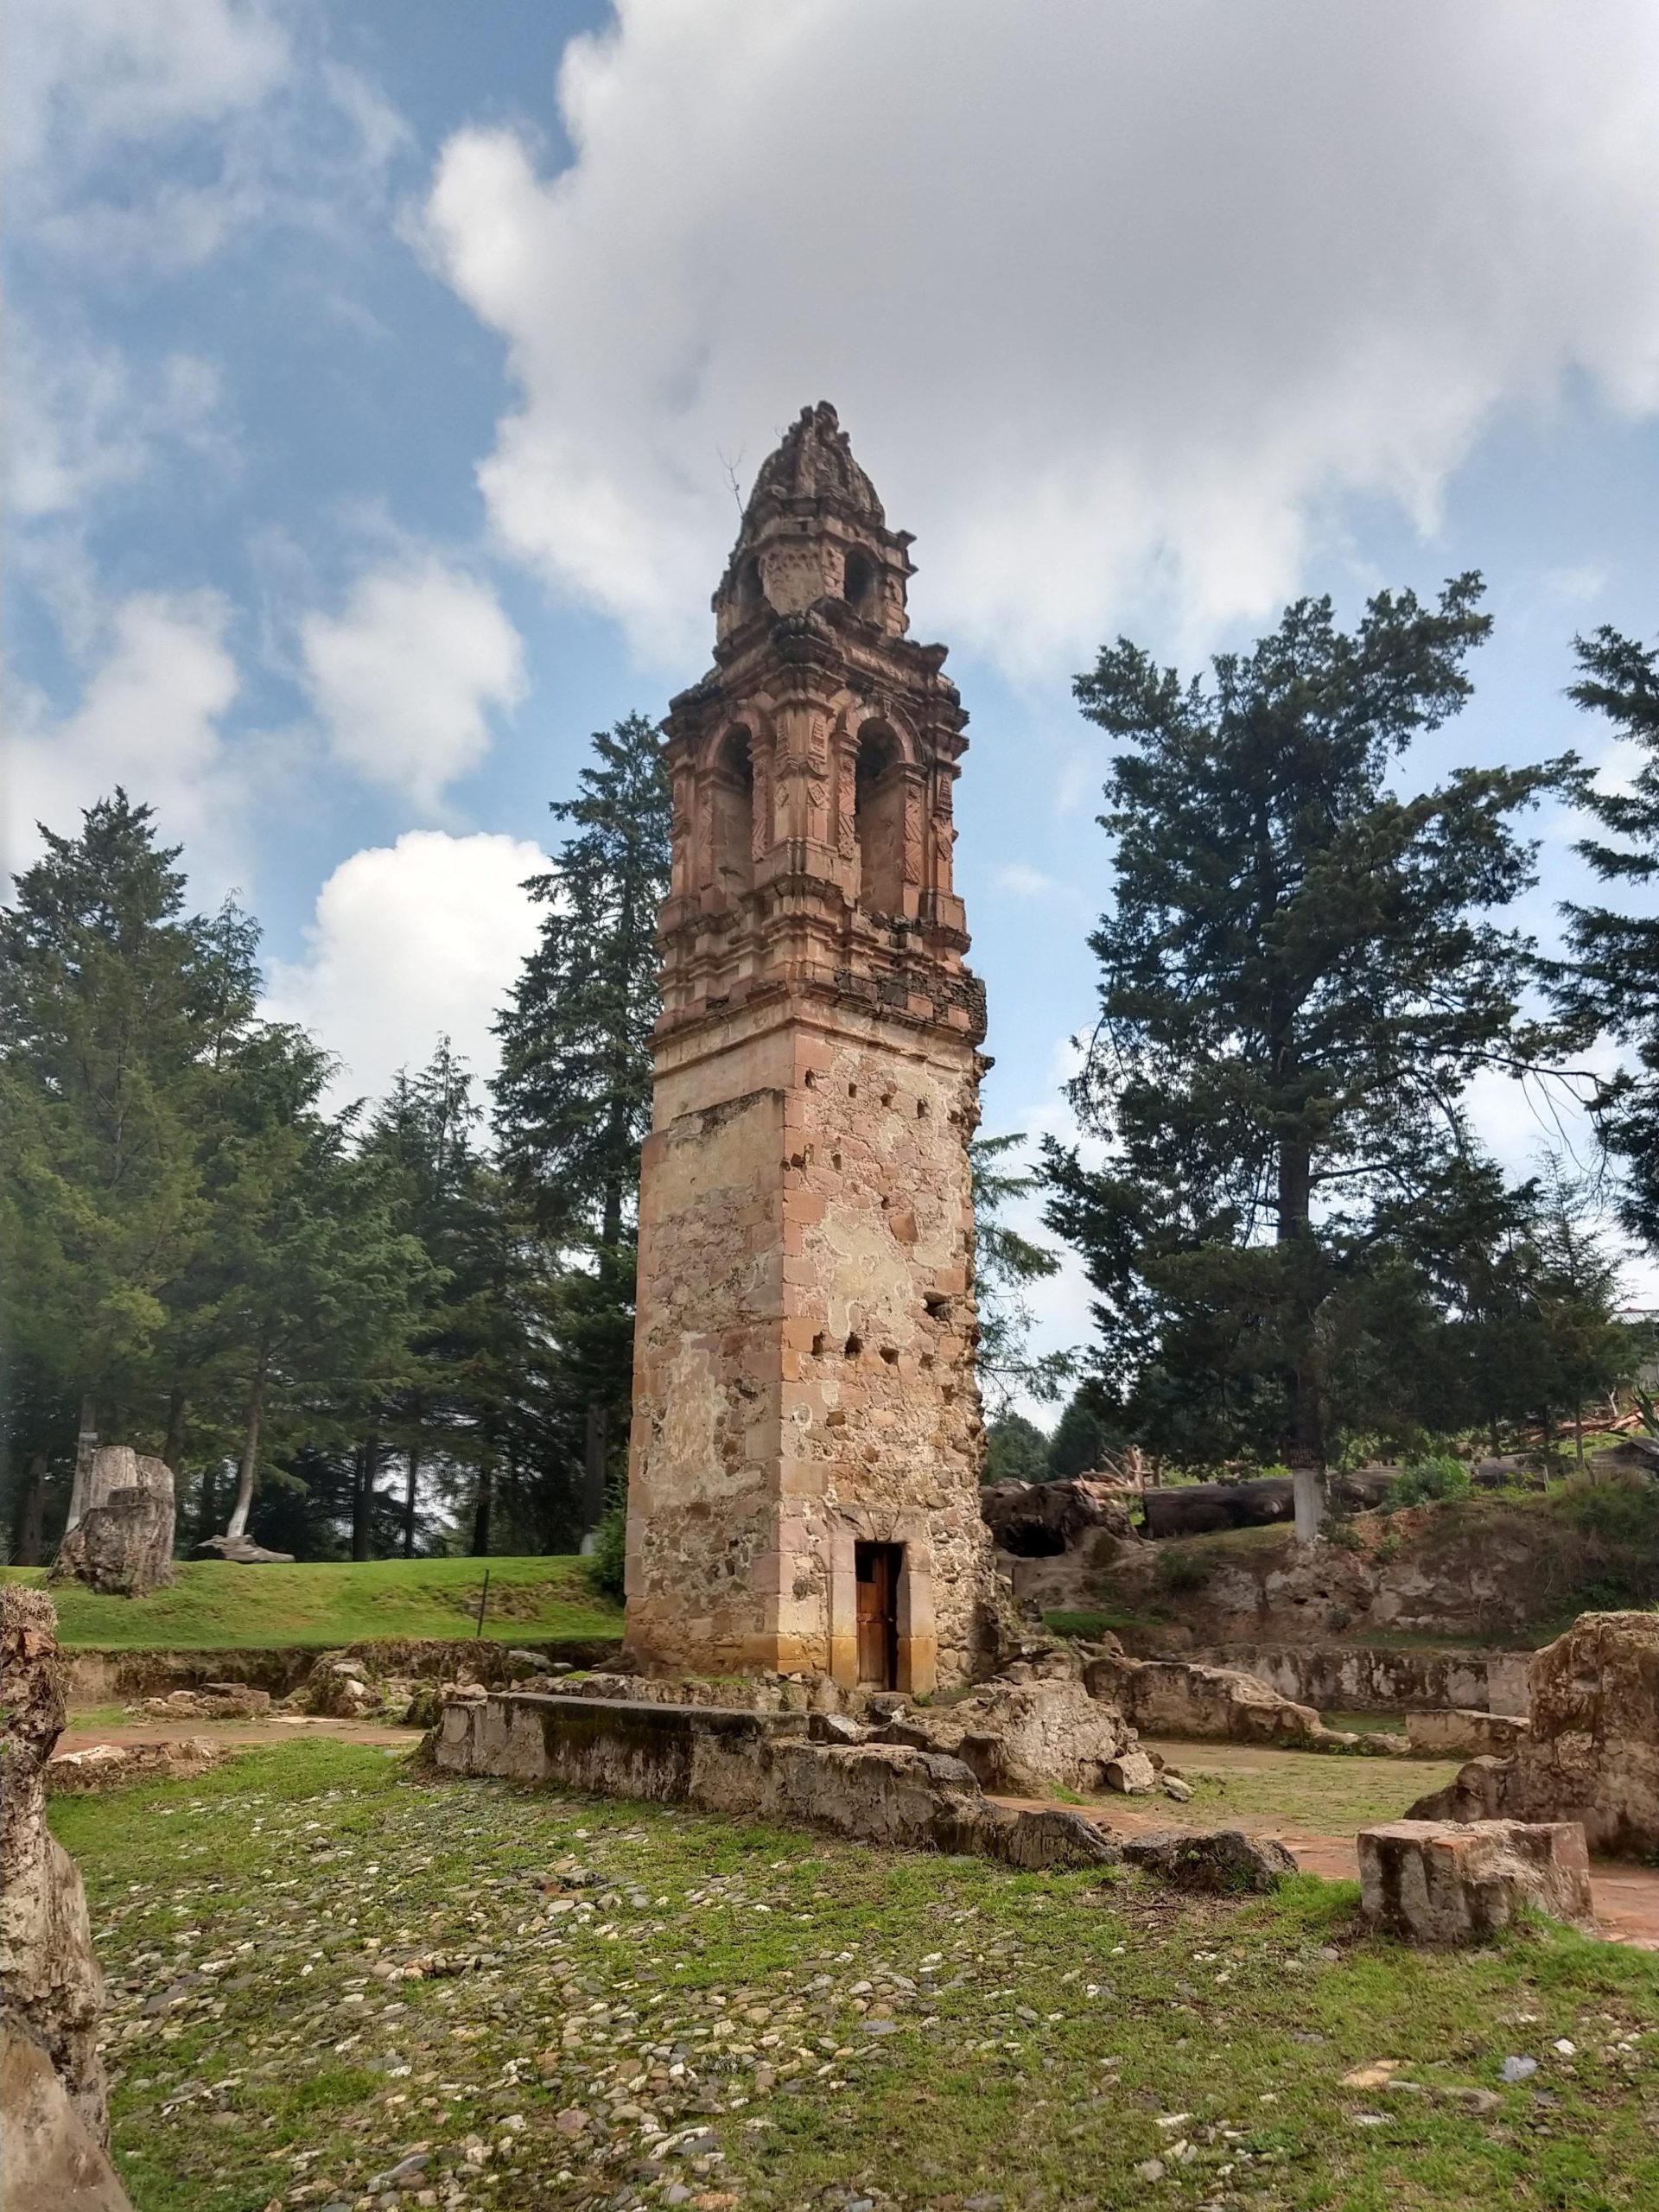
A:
x,y
605,1564
1427,1482
1179,1571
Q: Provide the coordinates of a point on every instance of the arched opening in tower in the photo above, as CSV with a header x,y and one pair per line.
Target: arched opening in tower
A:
x,y
732,815
858,577
878,813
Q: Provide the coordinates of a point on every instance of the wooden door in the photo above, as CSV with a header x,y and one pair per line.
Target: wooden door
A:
x,y
877,1567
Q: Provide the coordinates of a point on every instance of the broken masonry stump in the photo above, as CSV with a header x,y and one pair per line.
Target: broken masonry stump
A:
x,y
53,2111
122,1546
1449,1882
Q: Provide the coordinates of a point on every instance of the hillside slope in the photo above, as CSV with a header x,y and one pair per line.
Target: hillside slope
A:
x,y
216,1606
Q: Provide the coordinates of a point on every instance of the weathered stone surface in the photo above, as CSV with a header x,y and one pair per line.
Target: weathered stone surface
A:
x,y
803,1371
51,1990
1023,1737
755,1766
1041,1520
340,1689
122,1546
117,1766
50,2160
1436,1882
1175,1697
1349,1678
1593,1753
240,1551
1438,1569
1225,1861
1133,1774
1458,1733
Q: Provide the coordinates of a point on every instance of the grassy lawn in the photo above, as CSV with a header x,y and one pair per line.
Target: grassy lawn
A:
x,y
1323,1793
725,2015
215,1606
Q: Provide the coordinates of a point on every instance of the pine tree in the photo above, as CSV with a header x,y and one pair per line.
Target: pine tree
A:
x,y
1613,983
572,1097
1080,1440
1016,1449
1301,976
111,1002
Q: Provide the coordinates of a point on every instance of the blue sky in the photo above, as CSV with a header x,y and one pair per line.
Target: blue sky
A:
x,y
380,373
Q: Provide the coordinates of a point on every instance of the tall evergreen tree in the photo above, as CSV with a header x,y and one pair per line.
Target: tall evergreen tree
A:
x,y
1301,976
572,1097
1613,982
112,1005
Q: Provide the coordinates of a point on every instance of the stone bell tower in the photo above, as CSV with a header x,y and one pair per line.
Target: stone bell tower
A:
x,y
802,1490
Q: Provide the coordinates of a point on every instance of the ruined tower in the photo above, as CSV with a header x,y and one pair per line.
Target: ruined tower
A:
x,y
803,1489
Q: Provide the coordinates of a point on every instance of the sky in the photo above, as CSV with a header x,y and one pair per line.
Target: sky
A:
x,y
383,376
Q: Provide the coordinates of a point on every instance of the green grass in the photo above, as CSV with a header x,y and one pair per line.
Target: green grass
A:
x,y
1092,1623
215,1606
718,1981
1311,1791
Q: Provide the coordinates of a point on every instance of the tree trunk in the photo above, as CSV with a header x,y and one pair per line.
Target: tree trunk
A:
x,y
31,1514
1577,1434
595,1449
237,1523
367,1467
412,1491
85,1452
481,1505
1305,1437
173,1442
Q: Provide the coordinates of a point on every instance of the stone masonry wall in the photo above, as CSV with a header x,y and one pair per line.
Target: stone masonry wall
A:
x,y
804,1377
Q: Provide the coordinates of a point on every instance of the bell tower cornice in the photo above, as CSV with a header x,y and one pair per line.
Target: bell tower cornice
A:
x,y
812,769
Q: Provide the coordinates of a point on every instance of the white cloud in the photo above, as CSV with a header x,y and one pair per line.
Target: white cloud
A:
x,y
1116,300
148,718
153,134
88,77
405,676
85,423
411,941
1023,882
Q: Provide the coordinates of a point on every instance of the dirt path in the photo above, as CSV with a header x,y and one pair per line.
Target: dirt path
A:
x,y
282,1728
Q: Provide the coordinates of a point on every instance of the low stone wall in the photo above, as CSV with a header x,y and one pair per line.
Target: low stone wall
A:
x,y
1461,1734
98,1677
756,1766
1355,1678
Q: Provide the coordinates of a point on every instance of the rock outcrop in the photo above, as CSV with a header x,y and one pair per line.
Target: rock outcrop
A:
x,y
1221,1860
1023,1737
1444,1882
1593,1753
1179,1697
1041,1520
51,1990
122,1545
49,2160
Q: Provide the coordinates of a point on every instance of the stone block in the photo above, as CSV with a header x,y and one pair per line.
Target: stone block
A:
x,y
1459,1734
1133,1773
1447,1882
